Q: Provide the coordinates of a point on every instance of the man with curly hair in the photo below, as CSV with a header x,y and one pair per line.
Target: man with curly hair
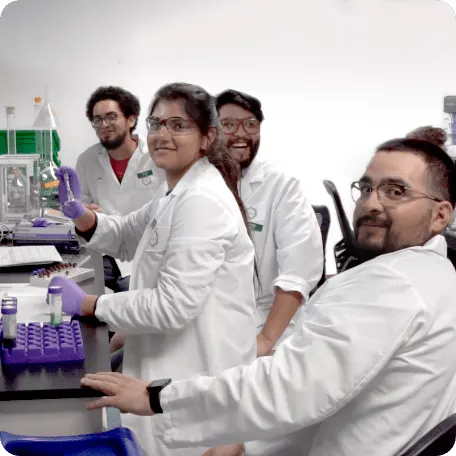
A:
x,y
117,175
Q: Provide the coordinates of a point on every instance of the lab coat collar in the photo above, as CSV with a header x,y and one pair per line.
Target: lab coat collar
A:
x,y
140,150
189,177
255,172
251,177
436,244
103,158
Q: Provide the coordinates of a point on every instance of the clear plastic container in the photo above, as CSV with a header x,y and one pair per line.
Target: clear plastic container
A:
x,y
55,303
9,319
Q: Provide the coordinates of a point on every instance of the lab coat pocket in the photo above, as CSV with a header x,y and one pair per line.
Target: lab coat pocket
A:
x,y
158,239
257,216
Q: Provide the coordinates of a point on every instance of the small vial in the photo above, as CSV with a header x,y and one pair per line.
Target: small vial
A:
x,y
55,302
9,318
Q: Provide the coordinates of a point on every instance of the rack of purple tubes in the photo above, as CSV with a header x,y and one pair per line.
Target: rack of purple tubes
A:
x,y
38,343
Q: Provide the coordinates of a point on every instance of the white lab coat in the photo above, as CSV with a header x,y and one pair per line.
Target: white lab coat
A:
x,y
369,371
191,304
286,236
100,185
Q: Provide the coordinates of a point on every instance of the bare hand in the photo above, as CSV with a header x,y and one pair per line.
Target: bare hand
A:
x,y
94,207
127,394
236,449
264,346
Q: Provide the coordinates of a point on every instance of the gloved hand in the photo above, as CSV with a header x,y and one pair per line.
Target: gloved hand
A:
x,y
72,295
72,209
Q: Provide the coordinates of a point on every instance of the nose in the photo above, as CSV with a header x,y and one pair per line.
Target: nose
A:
x,y
372,202
240,132
163,133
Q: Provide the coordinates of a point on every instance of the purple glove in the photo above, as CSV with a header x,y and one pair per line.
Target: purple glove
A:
x,y
72,209
72,295
40,222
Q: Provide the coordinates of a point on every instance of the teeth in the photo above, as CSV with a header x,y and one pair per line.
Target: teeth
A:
x,y
239,145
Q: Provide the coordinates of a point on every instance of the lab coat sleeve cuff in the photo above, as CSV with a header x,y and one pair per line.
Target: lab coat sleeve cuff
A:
x,y
170,421
292,283
102,307
101,220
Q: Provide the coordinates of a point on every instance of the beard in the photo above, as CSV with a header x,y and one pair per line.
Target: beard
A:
x,y
254,146
111,144
391,241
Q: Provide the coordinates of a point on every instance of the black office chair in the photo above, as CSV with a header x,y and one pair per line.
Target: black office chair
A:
x,y
324,222
344,250
437,441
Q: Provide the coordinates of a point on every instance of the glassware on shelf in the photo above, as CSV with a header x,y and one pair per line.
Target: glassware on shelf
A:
x,y
16,180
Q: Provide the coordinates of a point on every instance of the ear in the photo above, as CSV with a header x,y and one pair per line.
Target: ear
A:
x,y
445,213
209,139
131,121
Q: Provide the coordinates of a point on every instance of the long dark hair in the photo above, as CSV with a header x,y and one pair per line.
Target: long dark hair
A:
x,y
200,107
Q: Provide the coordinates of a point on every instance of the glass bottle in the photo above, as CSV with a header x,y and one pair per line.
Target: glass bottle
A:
x,y
44,126
49,195
16,181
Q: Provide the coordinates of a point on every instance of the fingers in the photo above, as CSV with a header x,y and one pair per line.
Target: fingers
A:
x,y
105,387
101,403
115,377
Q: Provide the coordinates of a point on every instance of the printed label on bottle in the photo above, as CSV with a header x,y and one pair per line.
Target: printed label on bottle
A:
x,y
51,184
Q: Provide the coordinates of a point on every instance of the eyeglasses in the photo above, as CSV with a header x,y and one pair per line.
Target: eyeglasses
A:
x,y
388,194
230,126
177,126
110,119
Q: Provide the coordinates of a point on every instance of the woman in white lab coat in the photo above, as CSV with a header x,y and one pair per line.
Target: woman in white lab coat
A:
x,y
190,308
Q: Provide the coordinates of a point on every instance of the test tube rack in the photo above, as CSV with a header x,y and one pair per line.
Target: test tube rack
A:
x,y
42,277
38,343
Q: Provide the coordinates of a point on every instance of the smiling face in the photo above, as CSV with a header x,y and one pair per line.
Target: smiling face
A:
x,y
114,128
175,142
384,224
241,133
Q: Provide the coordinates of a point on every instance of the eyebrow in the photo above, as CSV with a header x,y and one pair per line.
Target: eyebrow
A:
x,y
386,180
238,118
107,114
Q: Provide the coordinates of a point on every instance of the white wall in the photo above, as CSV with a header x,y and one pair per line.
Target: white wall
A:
x,y
336,77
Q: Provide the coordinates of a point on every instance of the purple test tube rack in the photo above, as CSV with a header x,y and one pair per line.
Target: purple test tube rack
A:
x,y
36,344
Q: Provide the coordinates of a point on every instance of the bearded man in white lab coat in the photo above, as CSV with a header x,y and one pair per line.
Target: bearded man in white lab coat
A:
x,y
370,369
117,175
285,231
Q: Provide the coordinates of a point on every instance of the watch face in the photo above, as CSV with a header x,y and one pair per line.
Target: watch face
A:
x,y
160,383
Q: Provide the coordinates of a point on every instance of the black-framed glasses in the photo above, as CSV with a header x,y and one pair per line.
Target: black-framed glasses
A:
x,y
387,193
231,125
109,119
175,125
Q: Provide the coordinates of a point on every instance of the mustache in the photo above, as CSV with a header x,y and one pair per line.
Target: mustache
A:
x,y
248,141
372,220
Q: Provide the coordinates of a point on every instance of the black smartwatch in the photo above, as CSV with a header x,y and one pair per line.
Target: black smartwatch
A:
x,y
154,389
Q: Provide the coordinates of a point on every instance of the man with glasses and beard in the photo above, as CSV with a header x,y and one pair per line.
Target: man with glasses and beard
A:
x,y
371,367
117,175
285,231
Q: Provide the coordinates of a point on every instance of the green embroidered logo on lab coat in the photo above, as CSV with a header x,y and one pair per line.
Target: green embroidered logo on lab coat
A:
x,y
144,174
256,227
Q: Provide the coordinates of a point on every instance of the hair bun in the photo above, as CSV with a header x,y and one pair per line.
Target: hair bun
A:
x,y
431,134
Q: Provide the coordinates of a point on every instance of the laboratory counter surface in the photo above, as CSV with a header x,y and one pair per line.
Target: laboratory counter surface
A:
x,y
59,381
